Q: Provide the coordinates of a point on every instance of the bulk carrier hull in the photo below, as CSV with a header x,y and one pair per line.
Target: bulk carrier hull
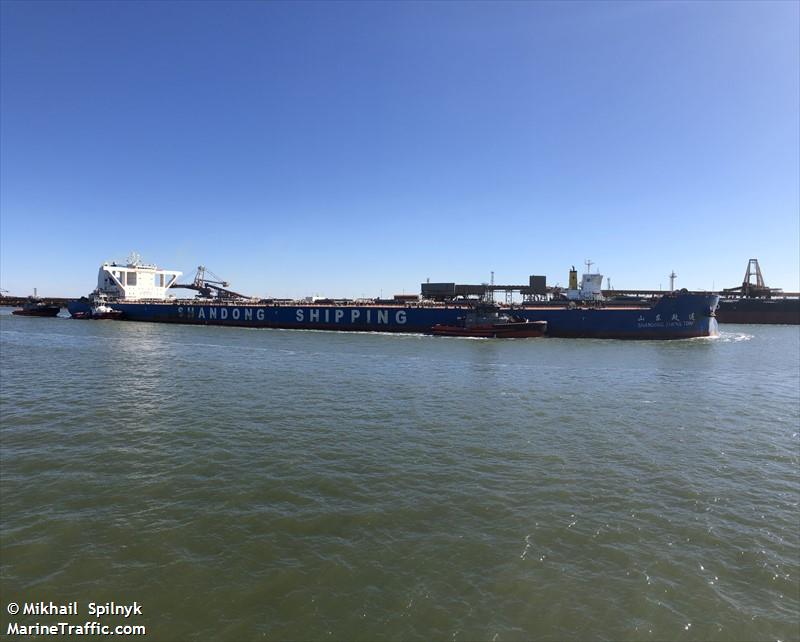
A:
x,y
674,316
771,311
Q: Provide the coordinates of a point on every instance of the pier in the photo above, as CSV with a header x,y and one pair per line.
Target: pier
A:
x,y
16,301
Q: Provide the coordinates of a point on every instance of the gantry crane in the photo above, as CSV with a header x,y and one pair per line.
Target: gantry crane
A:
x,y
751,290
213,288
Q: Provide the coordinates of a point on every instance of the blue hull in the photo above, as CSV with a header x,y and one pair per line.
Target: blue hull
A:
x,y
671,317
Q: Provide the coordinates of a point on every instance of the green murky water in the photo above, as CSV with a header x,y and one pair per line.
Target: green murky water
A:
x,y
284,485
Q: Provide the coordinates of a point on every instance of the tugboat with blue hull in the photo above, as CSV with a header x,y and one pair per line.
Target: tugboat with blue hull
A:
x,y
143,293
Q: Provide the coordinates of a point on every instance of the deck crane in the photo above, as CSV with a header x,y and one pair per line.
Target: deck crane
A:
x,y
213,288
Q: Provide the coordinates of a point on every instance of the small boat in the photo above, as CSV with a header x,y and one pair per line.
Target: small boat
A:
x,y
103,311
34,307
486,321
95,308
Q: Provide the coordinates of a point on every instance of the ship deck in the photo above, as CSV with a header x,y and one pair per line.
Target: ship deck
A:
x,y
391,304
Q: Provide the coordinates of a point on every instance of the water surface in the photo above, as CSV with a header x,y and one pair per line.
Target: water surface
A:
x,y
249,484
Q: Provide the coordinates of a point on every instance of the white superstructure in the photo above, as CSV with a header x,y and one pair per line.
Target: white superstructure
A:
x,y
591,286
135,281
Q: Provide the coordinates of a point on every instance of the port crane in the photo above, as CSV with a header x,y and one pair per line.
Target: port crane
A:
x,y
749,289
211,288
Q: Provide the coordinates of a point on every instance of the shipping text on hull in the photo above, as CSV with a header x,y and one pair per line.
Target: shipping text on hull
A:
x,y
139,292
677,316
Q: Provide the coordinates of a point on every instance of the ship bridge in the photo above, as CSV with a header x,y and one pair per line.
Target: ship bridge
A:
x,y
135,280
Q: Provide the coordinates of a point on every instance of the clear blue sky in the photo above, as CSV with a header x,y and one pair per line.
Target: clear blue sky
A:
x,y
345,149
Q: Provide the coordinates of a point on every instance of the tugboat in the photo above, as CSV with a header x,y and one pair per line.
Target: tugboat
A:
x,y
103,311
35,307
485,320
98,310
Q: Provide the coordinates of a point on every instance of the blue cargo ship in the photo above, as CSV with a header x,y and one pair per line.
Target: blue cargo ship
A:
x,y
140,293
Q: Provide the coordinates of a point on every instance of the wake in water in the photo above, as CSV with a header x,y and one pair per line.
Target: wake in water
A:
x,y
733,337
725,337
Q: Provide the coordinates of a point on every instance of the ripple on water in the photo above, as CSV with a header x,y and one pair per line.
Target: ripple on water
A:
x,y
307,485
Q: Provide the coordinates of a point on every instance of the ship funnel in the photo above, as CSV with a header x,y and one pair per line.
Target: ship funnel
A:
x,y
573,279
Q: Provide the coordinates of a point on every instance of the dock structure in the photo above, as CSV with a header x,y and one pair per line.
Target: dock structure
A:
x,y
14,301
449,291
535,290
